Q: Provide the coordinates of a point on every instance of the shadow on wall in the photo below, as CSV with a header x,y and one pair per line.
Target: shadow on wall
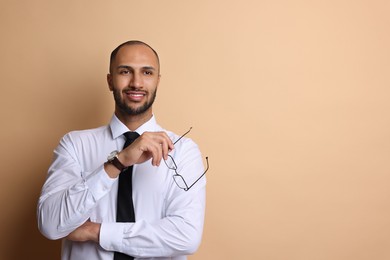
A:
x,y
25,241
21,237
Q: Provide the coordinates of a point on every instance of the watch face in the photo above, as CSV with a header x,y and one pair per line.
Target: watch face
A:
x,y
112,155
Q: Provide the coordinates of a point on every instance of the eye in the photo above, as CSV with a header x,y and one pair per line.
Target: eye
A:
x,y
148,72
124,72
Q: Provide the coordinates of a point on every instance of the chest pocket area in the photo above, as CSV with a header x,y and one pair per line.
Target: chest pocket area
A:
x,y
150,186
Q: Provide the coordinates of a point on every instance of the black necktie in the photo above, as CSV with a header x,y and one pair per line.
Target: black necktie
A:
x,y
125,207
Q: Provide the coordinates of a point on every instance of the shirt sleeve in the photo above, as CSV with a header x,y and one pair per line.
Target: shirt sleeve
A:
x,y
69,193
179,231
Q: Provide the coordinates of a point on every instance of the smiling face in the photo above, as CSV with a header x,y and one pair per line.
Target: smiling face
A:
x,y
133,79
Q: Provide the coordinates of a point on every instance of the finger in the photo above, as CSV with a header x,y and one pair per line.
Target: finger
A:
x,y
164,148
154,149
170,143
163,144
165,151
167,145
157,154
156,144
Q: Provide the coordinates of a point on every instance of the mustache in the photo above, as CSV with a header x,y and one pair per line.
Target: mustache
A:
x,y
134,89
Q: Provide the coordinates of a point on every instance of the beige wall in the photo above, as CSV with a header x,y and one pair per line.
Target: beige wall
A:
x,y
289,99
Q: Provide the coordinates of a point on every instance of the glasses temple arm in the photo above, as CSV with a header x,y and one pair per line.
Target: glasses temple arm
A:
x,y
207,168
182,136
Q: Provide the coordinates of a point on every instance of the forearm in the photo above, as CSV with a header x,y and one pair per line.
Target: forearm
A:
x,y
177,234
142,239
62,210
89,231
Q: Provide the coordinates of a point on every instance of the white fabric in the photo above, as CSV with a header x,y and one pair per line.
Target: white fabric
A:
x,y
169,220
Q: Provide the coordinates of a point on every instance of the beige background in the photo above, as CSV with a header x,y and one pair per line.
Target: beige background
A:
x,y
289,99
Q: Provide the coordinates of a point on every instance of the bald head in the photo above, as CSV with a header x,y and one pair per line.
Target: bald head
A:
x,y
129,43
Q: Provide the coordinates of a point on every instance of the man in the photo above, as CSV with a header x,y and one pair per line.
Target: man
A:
x,y
79,199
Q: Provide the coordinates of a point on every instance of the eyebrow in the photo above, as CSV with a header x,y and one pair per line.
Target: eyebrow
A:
x,y
129,67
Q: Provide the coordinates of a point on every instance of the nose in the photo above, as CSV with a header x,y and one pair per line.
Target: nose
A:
x,y
136,80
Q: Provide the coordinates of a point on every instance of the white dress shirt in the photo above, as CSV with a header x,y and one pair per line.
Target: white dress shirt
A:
x,y
169,220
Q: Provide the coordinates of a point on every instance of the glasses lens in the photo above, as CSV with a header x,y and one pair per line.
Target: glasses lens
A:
x,y
180,182
170,163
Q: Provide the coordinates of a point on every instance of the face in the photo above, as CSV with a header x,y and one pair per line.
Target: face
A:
x,y
133,79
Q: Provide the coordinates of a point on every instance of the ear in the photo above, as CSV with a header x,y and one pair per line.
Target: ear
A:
x,y
158,80
109,82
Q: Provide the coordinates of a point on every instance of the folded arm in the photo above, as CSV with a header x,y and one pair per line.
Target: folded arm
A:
x,y
69,194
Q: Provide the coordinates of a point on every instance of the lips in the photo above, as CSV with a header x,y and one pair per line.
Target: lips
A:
x,y
135,95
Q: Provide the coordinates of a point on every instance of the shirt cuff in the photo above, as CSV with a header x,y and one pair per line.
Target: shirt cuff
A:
x,y
111,236
99,183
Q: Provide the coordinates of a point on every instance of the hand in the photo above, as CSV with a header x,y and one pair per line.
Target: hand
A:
x,y
155,145
89,231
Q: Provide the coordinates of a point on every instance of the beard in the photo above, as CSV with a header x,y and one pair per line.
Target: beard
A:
x,y
133,111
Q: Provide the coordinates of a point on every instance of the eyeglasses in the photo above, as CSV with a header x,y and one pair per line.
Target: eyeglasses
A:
x,y
178,178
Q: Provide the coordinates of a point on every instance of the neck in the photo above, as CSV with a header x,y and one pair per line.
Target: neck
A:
x,y
134,121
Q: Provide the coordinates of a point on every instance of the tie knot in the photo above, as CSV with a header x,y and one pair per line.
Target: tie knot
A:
x,y
130,137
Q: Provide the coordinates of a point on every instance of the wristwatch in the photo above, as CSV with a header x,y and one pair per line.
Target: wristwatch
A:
x,y
113,159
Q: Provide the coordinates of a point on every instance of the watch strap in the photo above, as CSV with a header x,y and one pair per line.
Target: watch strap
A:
x,y
115,161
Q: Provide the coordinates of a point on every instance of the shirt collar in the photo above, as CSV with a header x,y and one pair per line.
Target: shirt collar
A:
x,y
118,128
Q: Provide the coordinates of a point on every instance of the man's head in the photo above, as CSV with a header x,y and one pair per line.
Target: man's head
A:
x,y
133,79
133,42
